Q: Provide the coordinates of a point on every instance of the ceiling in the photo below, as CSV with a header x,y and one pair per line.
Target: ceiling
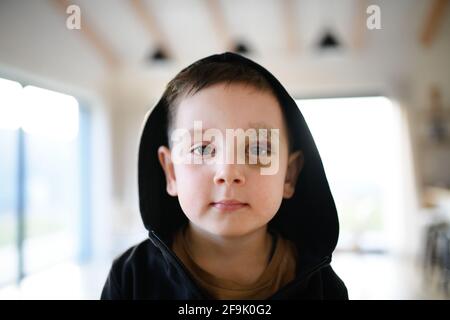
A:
x,y
35,39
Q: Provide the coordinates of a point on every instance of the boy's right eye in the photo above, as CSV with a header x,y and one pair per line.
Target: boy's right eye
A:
x,y
203,150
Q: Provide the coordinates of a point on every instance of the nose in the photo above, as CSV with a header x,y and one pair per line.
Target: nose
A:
x,y
229,174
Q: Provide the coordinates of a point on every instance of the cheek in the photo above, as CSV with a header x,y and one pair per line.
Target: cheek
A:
x,y
193,187
190,175
271,185
267,192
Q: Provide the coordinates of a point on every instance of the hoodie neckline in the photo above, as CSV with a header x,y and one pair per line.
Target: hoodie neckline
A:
x,y
303,272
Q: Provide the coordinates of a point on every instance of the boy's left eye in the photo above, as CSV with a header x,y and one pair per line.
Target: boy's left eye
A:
x,y
259,150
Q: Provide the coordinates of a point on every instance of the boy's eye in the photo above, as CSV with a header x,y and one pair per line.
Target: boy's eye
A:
x,y
259,150
203,150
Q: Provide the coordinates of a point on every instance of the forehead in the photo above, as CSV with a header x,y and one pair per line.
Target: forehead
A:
x,y
225,106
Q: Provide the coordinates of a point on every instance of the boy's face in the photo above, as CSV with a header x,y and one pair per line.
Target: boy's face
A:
x,y
200,187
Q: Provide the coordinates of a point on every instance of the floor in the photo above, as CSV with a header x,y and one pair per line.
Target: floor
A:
x,y
367,276
386,277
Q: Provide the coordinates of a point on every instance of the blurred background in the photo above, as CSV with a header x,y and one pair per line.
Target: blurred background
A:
x,y
77,78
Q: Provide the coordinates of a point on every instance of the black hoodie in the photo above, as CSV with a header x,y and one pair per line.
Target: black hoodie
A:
x,y
151,270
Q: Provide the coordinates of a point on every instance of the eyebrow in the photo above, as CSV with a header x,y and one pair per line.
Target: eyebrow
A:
x,y
251,125
260,125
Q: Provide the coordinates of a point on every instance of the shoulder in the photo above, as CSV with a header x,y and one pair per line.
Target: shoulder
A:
x,y
140,254
333,286
130,268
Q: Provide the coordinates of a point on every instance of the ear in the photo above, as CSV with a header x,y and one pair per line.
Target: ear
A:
x,y
165,159
295,166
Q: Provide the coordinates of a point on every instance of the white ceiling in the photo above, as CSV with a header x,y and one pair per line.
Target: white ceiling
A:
x,y
34,37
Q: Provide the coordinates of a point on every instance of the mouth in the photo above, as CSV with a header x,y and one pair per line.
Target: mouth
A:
x,y
229,205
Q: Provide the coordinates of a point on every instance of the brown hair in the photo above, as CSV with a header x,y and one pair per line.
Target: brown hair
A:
x,y
201,75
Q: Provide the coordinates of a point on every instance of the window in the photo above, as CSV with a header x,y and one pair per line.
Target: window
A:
x,y
10,93
41,179
358,140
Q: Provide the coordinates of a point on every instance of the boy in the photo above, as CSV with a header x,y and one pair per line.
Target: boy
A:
x,y
261,225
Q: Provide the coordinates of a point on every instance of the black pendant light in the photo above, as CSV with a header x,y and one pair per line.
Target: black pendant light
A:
x,y
158,55
329,41
241,48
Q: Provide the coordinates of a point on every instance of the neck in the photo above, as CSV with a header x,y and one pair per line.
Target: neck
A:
x,y
249,249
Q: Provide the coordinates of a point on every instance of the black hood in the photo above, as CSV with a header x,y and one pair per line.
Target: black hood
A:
x,y
309,218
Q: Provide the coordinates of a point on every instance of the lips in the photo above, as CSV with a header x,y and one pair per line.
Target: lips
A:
x,y
229,205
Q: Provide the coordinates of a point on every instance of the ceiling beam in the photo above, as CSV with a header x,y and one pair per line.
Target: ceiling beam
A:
x,y
433,21
90,34
219,23
151,25
359,27
289,21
